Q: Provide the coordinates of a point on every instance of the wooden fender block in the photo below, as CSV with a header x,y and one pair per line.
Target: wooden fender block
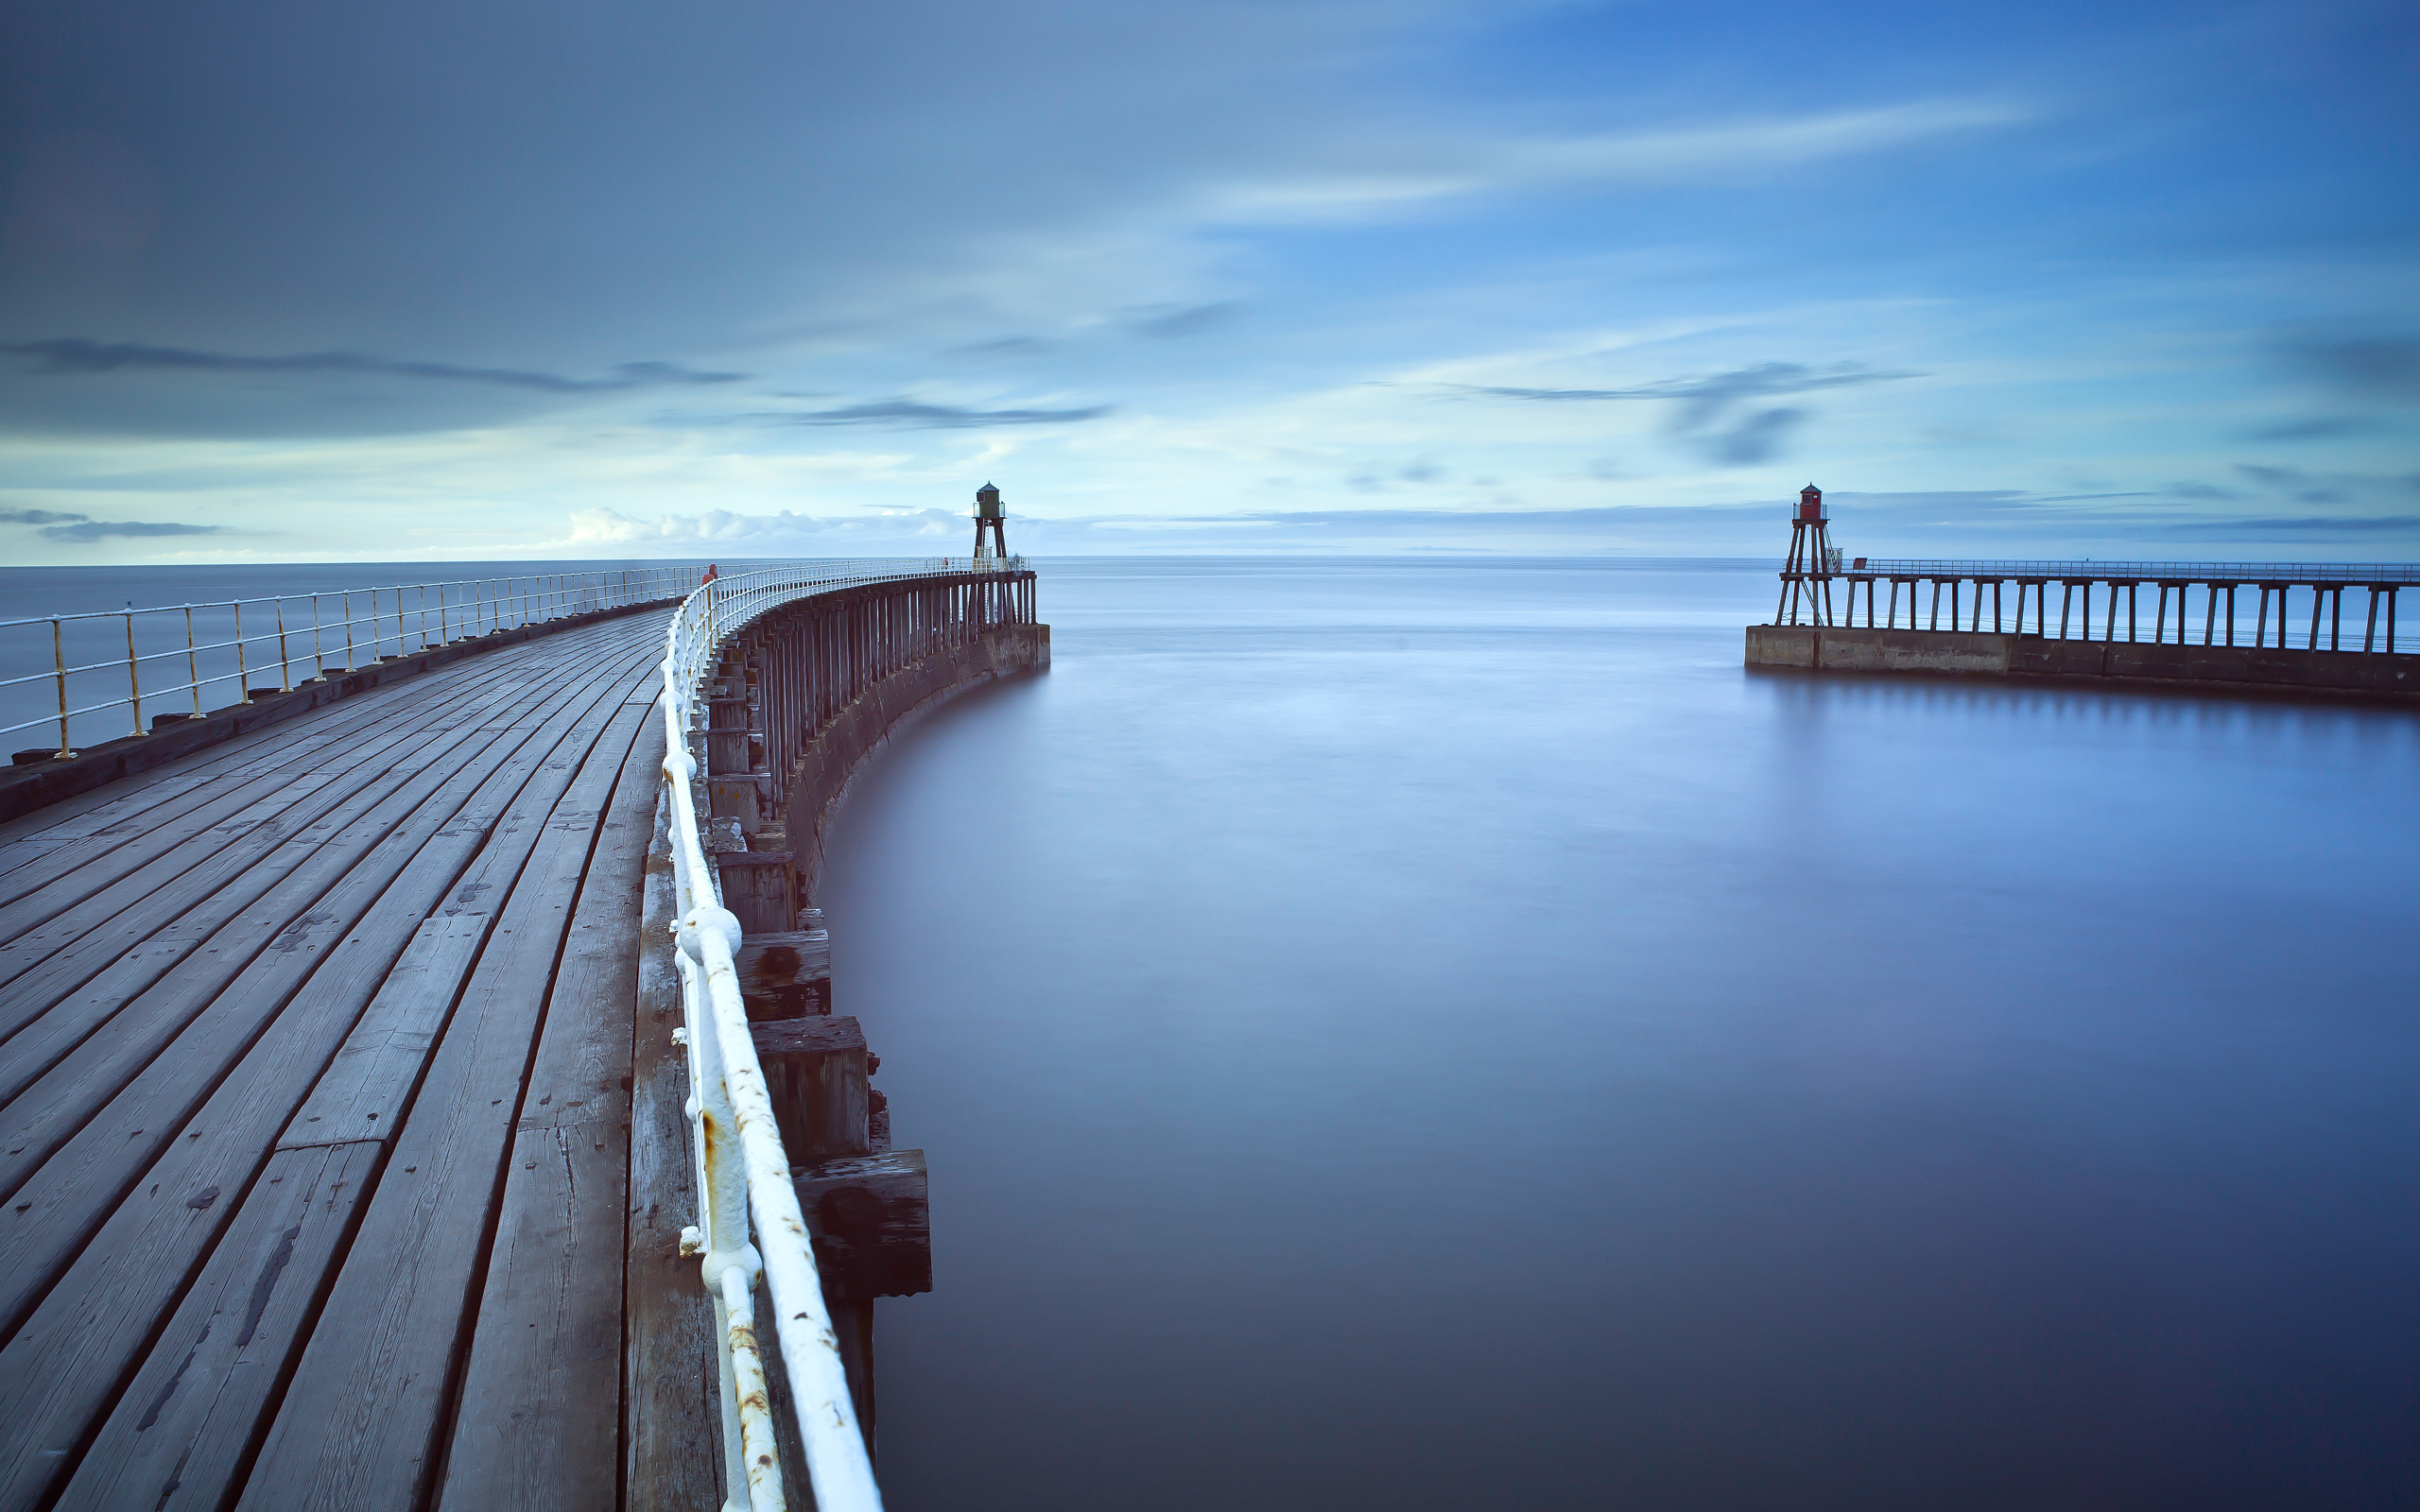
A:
x,y
872,1222
816,1070
786,973
760,887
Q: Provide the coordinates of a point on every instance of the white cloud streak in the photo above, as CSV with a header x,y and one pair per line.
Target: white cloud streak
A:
x,y
1746,148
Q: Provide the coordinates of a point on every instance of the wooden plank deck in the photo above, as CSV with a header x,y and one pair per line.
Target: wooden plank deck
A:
x,y
316,1085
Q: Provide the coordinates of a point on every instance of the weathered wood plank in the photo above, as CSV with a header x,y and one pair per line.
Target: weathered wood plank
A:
x,y
329,963
237,753
424,851
194,872
138,1265
359,1428
31,861
537,1423
141,1203
190,911
672,1392
200,803
366,1087
182,1426
38,923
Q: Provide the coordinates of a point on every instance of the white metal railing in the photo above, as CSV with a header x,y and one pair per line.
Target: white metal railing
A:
x,y
106,660
742,1169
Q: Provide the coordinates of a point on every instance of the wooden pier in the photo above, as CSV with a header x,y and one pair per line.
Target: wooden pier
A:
x,y
2252,631
343,1156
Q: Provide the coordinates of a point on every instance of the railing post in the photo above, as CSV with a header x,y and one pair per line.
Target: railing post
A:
x,y
193,664
284,662
243,672
59,661
134,685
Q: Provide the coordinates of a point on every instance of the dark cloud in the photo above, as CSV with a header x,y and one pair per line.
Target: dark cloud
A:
x,y
76,356
1190,321
2257,528
912,415
92,530
2303,487
1704,400
2320,428
2275,477
1757,437
1378,480
2381,368
2207,491
1006,346
60,525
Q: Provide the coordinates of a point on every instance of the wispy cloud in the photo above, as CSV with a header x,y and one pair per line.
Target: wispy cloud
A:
x,y
93,530
2377,368
2271,527
1184,320
61,525
1704,400
1755,438
2323,427
916,415
603,527
72,356
1755,146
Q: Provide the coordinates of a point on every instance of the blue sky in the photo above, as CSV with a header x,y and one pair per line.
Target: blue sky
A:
x,y
289,282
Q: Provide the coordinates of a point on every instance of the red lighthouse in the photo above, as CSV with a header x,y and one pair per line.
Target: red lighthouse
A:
x,y
1807,574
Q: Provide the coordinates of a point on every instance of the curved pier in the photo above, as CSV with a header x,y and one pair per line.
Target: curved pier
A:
x,y
331,1154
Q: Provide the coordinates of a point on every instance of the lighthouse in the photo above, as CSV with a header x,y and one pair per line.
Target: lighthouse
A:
x,y
988,516
1807,574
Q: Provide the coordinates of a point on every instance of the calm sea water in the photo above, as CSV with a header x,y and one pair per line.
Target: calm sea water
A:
x,y
1443,1034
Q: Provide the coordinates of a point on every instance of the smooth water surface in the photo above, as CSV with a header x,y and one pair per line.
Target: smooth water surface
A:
x,y
1418,1035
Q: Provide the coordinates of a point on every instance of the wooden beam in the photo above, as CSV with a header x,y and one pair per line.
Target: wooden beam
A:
x,y
870,1218
672,1392
786,973
816,1069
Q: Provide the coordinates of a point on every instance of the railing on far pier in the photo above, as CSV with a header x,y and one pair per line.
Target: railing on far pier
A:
x,y
742,1170
93,664
2221,620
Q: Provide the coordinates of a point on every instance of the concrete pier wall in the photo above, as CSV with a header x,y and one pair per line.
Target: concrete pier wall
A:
x,y
2267,669
822,775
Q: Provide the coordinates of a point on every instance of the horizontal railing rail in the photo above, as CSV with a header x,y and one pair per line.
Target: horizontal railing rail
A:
x,y
743,1171
79,667
2301,574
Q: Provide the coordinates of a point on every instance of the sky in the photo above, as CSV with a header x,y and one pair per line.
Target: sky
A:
x,y
287,282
